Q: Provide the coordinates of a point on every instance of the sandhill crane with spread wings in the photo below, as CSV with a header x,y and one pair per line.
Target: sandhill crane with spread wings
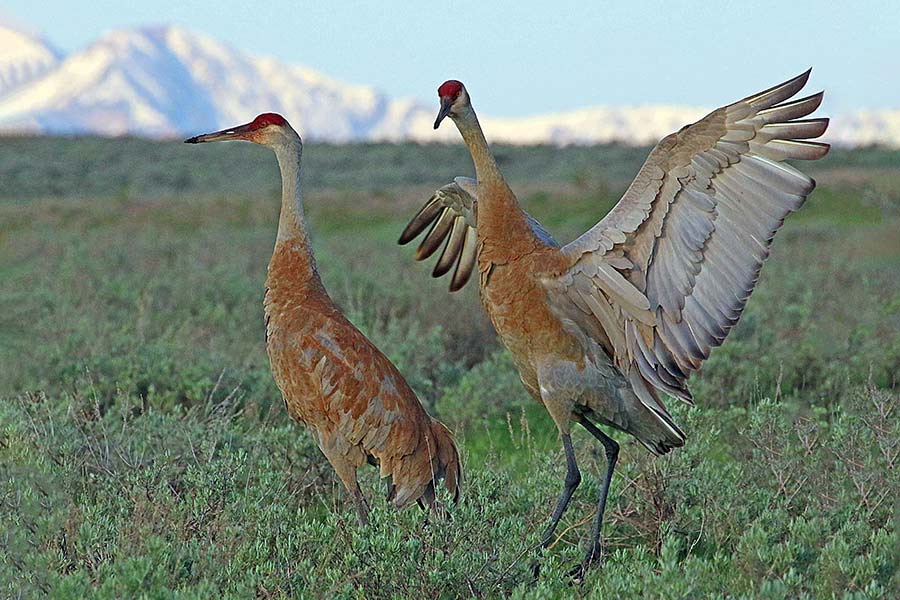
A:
x,y
358,406
599,327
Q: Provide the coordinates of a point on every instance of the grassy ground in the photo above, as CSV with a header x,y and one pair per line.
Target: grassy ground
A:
x,y
144,450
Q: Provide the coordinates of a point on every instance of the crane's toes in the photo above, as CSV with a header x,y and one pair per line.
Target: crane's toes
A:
x,y
535,570
536,560
578,572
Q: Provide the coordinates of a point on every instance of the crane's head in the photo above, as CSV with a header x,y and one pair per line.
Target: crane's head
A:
x,y
268,129
454,100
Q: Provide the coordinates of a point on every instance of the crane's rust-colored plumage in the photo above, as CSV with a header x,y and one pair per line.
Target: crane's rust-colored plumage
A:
x,y
599,327
332,378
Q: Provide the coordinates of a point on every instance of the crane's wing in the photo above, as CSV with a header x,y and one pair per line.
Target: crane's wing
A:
x,y
667,272
451,214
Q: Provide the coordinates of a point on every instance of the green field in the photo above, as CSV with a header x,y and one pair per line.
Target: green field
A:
x,y
145,452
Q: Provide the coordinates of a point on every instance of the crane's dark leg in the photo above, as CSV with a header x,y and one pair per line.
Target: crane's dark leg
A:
x,y
573,478
362,507
346,472
612,454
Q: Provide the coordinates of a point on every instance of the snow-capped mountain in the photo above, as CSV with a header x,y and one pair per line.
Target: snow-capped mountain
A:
x,y
636,125
24,57
645,125
167,82
628,125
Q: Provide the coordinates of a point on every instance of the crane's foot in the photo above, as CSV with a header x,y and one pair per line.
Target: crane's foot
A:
x,y
536,561
592,558
538,554
577,573
535,570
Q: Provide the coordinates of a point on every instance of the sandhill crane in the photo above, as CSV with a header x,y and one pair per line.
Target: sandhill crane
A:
x,y
599,327
358,406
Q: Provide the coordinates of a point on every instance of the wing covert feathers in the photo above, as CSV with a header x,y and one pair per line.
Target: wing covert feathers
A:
x,y
689,236
353,397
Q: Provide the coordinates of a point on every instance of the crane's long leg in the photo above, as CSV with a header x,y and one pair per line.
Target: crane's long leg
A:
x,y
612,454
362,507
346,472
573,478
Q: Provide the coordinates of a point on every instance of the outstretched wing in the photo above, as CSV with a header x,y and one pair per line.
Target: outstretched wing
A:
x,y
451,215
450,212
668,271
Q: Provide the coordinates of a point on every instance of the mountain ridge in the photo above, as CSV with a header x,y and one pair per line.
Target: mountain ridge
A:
x,y
166,81
25,57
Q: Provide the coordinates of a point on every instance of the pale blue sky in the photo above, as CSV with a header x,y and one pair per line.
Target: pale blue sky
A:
x,y
531,56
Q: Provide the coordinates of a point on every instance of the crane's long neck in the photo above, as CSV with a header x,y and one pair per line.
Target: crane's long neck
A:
x,y
292,244
499,214
486,169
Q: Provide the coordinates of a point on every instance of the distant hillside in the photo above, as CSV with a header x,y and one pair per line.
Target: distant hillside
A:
x,y
136,169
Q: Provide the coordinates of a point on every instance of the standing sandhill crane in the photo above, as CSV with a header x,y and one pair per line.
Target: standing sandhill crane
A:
x,y
332,378
599,327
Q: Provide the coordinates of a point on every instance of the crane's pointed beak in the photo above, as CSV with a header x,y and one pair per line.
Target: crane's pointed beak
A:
x,y
446,105
233,133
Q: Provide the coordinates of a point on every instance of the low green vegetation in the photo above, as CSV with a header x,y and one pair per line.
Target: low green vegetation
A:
x,y
144,449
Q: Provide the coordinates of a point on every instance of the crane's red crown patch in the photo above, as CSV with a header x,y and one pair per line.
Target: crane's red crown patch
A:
x,y
266,119
450,89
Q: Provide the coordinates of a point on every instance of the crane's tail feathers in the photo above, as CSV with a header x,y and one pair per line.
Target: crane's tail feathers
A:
x,y
435,459
665,437
445,463
659,433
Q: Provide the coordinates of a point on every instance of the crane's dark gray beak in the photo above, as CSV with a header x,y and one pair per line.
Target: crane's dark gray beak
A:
x,y
234,133
446,105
